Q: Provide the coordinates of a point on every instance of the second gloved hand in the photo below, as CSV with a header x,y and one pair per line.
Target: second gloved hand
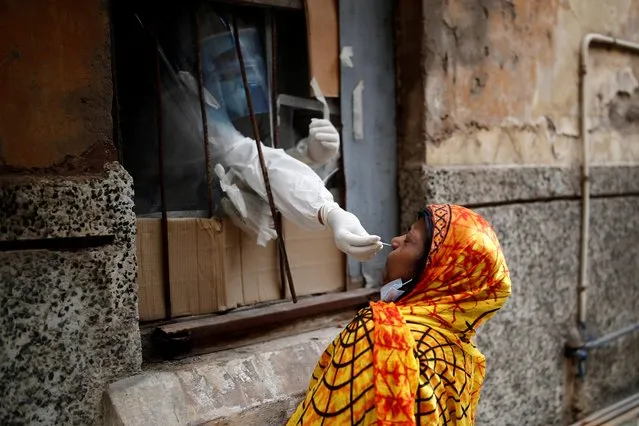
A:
x,y
349,234
323,141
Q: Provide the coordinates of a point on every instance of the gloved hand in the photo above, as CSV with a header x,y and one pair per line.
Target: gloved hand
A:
x,y
323,141
349,234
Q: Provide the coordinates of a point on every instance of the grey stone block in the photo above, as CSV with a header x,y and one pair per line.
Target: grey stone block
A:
x,y
523,344
474,185
68,319
527,373
613,301
259,384
45,207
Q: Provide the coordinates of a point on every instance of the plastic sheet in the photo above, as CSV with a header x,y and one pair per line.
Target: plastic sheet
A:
x,y
239,189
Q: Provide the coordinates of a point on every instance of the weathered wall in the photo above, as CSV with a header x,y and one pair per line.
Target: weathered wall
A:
x,y
68,317
55,81
501,82
489,116
68,313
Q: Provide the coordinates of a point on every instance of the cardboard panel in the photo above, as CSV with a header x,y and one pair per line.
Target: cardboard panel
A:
x,y
260,275
234,294
183,273
211,251
196,265
213,266
150,281
322,26
317,265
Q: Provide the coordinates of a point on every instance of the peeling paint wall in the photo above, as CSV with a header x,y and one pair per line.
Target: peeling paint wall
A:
x,y
55,81
502,81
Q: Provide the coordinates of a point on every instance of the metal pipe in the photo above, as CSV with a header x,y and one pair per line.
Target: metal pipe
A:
x,y
610,412
585,174
267,183
205,125
603,340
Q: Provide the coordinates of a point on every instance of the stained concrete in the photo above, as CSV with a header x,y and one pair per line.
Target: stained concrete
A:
x,y
613,301
523,343
259,384
526,373
492,119
68,318
482,185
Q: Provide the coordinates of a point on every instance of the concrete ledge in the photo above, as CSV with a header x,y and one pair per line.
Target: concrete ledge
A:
x,y
253,385
34,207
484,185
480,185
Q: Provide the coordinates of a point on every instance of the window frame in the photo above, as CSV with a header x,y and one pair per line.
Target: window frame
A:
x,y
179,337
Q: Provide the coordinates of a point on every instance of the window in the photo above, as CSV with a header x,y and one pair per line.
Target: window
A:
x,y
192,260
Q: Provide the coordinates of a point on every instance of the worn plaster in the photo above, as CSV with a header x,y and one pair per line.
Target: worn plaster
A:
x,y
56,86
477,97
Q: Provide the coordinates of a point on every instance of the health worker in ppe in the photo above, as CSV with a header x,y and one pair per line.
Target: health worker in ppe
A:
x,y
299,192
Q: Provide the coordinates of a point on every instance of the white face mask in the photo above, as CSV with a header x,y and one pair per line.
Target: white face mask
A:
x,y
391,291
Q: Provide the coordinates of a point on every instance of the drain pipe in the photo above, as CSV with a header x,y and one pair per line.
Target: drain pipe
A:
x,y
585,174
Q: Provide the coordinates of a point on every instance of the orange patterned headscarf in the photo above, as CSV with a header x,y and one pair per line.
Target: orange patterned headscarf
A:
x,y
413,362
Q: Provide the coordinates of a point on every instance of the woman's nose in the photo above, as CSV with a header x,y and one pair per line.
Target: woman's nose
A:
x,y
396,242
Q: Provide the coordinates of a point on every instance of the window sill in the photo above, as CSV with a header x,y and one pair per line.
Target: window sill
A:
x,y
208,334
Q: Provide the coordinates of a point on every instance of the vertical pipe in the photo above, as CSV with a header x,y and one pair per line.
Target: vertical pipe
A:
x,y
205,126
585,186
165,225
267,184
585,170
275,117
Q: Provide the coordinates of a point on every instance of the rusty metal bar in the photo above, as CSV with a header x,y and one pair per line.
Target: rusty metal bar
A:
x,y
276,141
165,225
205,124
267,183
275,120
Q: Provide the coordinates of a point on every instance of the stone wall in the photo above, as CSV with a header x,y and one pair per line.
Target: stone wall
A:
x,y
68,296
489,117
68,316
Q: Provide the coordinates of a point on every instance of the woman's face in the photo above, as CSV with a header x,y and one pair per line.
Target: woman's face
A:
x,y
408,249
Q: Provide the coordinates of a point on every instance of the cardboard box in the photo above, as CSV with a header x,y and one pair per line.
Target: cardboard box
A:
x,y
213,266
322,28
148,247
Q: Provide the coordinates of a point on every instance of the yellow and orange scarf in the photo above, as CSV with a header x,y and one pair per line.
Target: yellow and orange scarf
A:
x,y
413,362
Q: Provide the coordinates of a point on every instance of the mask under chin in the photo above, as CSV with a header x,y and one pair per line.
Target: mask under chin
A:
x,y
394,290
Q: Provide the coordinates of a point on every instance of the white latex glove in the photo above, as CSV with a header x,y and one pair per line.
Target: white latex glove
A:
x,y
322,140
349,234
